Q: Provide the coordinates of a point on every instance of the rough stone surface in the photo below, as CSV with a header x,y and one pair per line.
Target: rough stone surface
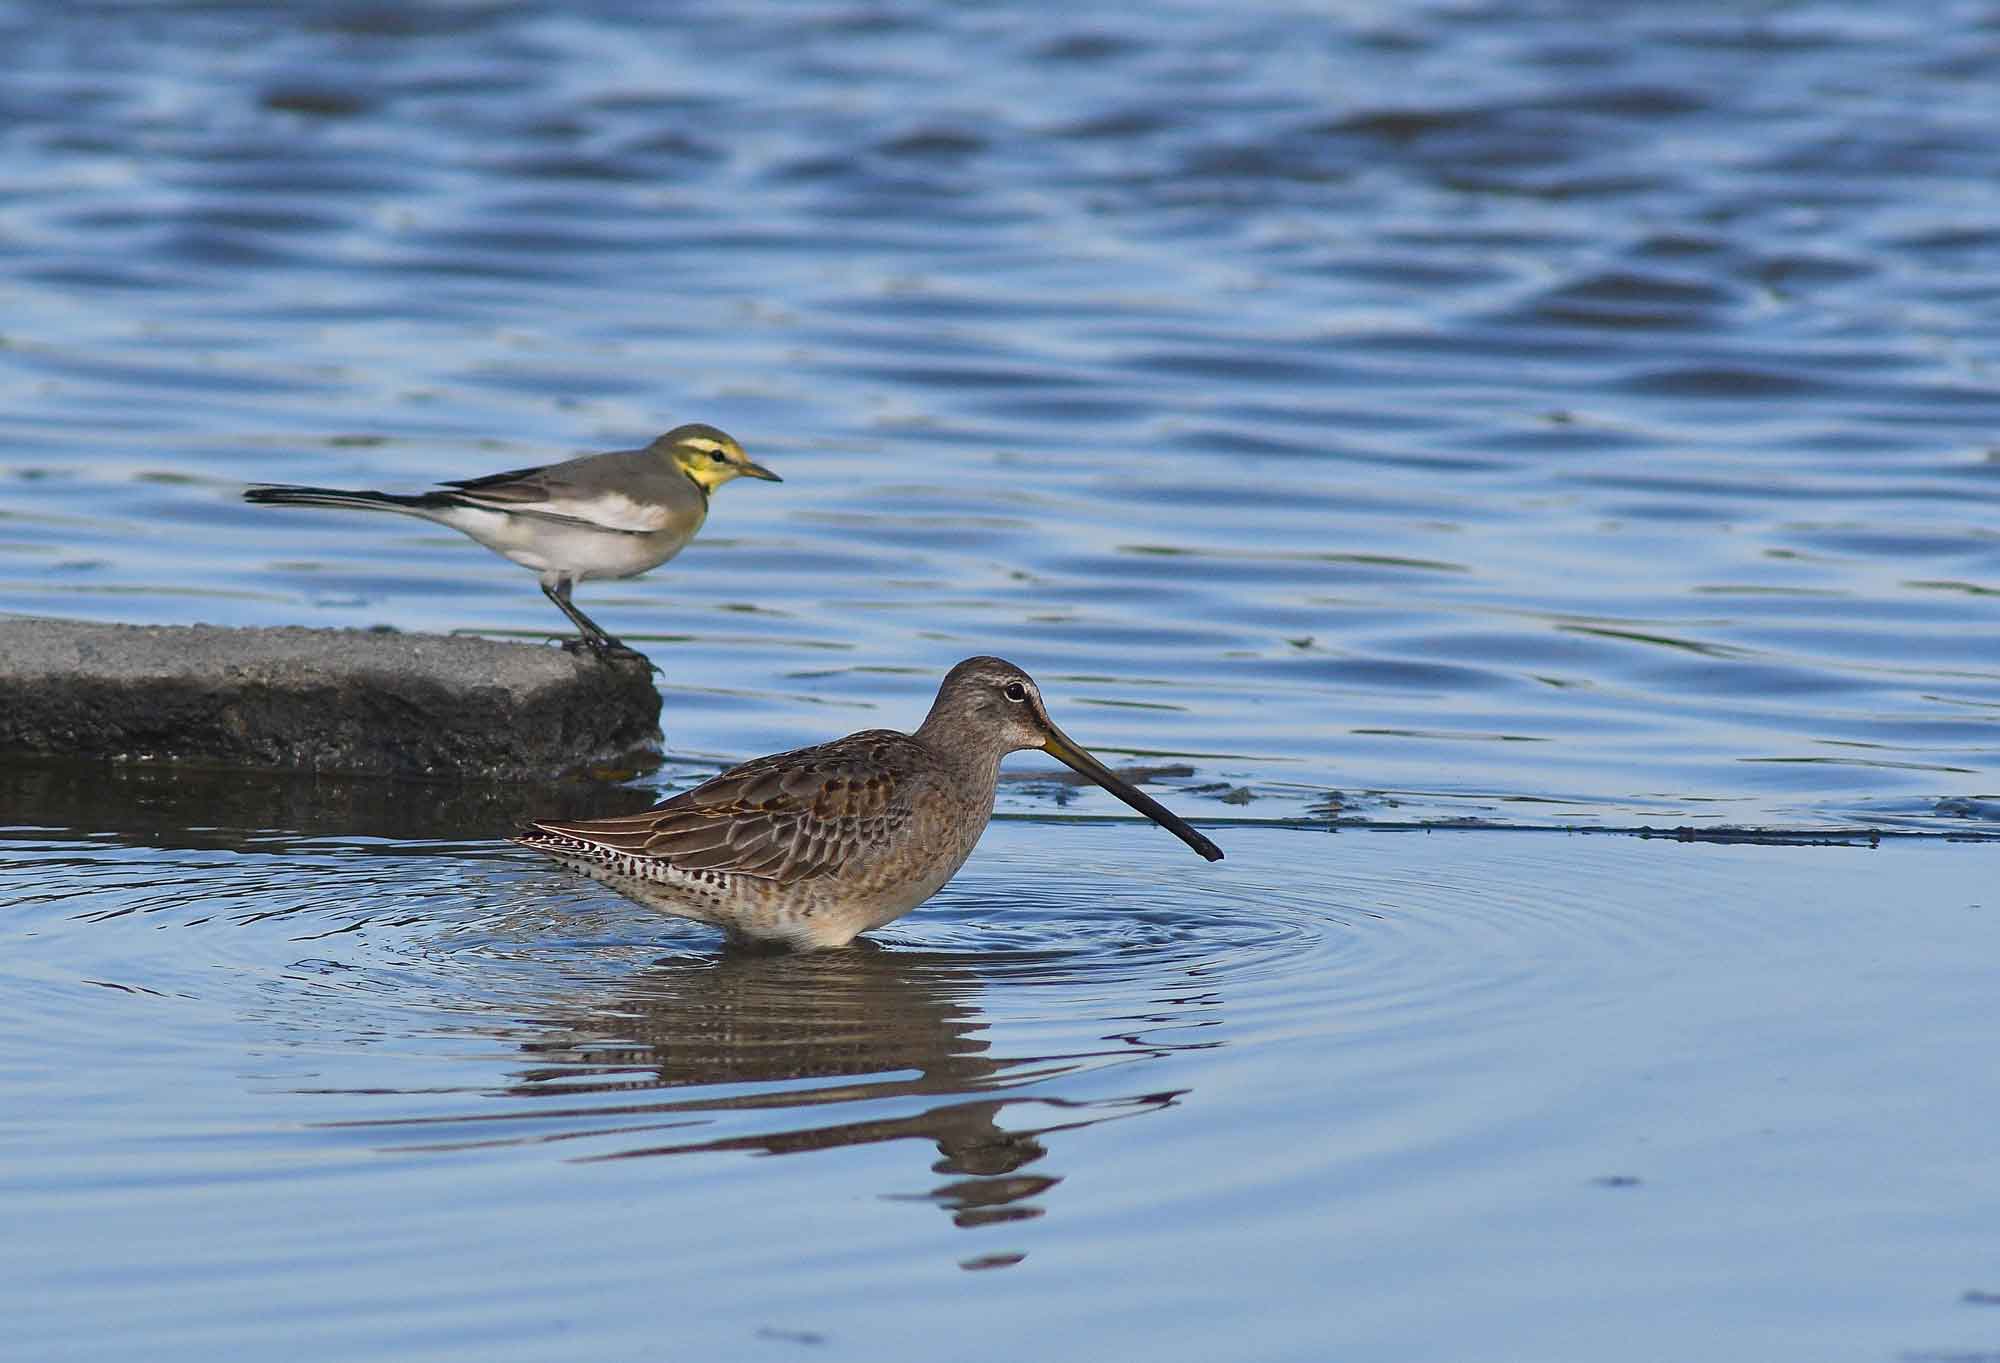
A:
x,y
346,701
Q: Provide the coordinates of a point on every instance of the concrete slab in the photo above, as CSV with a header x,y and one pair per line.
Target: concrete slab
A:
x,y
345,701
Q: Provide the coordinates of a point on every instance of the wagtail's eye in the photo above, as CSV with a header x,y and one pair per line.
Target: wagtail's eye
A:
x,y
1015,691
718,456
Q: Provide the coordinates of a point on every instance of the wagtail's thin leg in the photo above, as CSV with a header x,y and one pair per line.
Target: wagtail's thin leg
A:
x,y
594,638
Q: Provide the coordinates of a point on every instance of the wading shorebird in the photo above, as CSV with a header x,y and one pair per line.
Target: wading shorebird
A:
x,y
810,847
604,515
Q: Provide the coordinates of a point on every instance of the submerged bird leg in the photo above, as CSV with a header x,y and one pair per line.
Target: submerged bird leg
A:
x,y
600,644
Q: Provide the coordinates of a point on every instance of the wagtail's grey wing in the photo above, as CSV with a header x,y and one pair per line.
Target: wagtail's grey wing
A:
x,y
603,515
633,491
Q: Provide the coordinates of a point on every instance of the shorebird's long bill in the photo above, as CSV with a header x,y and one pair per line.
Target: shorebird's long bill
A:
x,y
758,471
1064,750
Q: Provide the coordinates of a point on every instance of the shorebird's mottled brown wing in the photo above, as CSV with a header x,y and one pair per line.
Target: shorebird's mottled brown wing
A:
x,y
785,818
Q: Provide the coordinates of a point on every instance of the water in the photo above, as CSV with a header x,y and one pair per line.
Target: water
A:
x,y
1544,416
1539,1096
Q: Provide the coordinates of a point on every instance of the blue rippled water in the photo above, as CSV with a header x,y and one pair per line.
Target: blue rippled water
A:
x,y
1584,411
1534,415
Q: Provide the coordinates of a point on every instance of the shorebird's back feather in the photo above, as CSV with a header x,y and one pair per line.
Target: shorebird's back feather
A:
x,y
787,818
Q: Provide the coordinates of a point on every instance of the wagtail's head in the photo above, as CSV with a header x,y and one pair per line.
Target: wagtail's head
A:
x,y
709,456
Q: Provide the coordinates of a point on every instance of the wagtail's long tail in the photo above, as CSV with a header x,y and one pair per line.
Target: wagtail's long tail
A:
x,y
421,504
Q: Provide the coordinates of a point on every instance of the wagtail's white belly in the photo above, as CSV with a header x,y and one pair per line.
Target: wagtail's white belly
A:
x,y
573,548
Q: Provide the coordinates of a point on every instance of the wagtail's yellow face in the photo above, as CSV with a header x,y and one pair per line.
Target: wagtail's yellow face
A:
x,y
709,456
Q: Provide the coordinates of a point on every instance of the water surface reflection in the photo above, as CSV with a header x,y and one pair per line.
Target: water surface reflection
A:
x,y
782,1054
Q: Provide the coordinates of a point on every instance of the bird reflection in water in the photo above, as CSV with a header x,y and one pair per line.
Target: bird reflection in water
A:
x,y
880,1026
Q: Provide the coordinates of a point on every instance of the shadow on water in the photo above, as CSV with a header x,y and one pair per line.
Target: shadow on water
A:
x,y
174,806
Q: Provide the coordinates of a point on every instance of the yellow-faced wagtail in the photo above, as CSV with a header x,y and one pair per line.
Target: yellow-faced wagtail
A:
x,y
604,515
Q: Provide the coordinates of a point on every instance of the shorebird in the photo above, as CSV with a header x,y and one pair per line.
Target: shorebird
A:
x,y
808,848
603,515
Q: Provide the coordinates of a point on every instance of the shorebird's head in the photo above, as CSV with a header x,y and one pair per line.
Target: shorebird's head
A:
x,y
990,701
709,456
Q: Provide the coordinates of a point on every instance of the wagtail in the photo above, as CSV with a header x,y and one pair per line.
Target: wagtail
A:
x,y
603,515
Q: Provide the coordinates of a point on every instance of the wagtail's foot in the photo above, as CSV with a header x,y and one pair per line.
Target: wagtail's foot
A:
x,y
606,649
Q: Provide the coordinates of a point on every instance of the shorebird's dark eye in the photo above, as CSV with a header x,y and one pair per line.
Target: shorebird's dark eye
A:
x,y
1015,691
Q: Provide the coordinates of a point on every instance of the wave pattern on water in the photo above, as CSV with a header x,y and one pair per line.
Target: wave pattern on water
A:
x,y
1357,388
